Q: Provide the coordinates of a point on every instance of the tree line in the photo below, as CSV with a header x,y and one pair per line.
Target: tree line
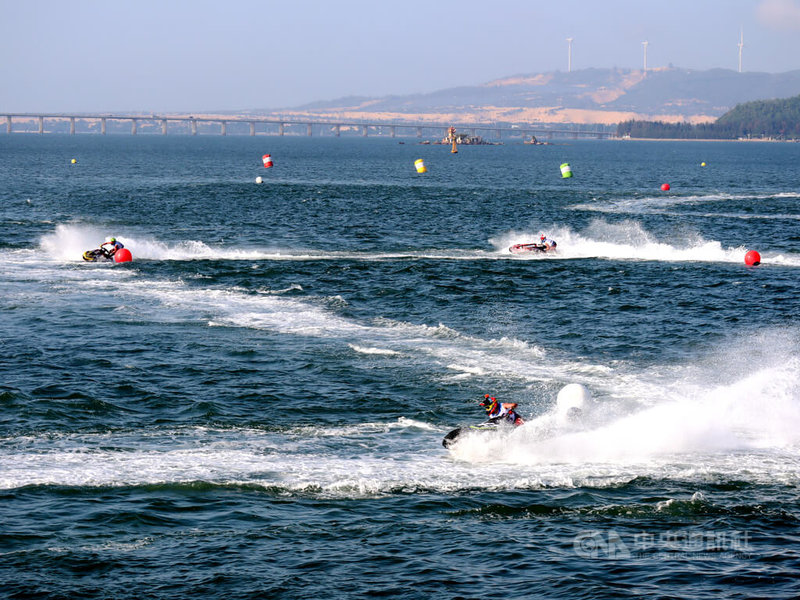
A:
x,y
778,119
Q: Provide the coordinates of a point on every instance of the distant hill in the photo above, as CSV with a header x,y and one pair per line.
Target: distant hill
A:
x,y
776,119
603,96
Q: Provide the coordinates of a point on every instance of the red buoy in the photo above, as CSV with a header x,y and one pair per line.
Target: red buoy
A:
x,y
752,258
267,160
665,187
123,255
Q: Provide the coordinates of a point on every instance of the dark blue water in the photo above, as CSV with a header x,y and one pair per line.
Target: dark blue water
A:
x,y
254,407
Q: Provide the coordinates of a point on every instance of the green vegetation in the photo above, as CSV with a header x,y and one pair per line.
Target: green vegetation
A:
x,y
778,119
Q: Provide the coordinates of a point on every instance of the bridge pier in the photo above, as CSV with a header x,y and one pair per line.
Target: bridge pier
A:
x,y
103,126
364,131
223,128
252,128
337,130
280,129
72,125
193,127
308,129
391,131
9,129
163,127
133,126
41,124
419,132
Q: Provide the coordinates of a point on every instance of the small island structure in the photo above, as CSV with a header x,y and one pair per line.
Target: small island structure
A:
x,y
453,139
534,142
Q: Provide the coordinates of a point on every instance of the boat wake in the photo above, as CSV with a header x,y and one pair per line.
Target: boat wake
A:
x,y
628,240
607,241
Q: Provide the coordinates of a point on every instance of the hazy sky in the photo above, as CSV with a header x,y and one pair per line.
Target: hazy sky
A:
x,y
176,55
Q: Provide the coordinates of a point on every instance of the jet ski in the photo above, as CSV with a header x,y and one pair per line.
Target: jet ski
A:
x,y
97,255
452,437
495,424
122,255
524,248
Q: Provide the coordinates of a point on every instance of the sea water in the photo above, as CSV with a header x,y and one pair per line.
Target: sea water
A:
x,y
254,407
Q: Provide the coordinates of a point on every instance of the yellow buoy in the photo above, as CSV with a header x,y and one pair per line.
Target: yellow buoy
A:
x,y
420,165
73,161
702,164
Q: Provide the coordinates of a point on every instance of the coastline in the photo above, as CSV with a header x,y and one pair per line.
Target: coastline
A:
x,y
766,140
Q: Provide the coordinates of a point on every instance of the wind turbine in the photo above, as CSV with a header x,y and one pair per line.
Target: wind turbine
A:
x,y
569,55
741,45
644,44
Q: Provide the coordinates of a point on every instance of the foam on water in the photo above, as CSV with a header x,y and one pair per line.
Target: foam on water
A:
x,y
729,414
628,240
378,351
620,241
661,203
470,356
68,242
733,403
735,431
613,241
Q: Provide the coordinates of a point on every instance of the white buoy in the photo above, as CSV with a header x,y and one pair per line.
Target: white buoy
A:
x,y
259,180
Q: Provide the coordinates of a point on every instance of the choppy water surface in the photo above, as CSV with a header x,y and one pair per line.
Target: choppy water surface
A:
x,y
254,407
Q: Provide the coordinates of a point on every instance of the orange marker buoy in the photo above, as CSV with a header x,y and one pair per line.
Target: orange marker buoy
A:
x,y
123,255
665,187
267,159
752,258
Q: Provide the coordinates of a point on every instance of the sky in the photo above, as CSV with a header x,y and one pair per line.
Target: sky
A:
x,y
206,55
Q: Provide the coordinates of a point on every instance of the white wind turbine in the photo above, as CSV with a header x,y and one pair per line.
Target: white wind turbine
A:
x,y
644,45
741,45
569,55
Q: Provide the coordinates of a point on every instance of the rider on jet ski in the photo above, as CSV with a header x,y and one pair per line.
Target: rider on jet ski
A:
x,y
110,246
547,242
497,411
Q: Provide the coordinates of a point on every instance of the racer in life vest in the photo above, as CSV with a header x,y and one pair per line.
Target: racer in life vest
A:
x,y
110,246
547,243
504,411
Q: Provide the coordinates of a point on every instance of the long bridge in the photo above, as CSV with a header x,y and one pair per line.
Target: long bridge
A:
x,y
98,123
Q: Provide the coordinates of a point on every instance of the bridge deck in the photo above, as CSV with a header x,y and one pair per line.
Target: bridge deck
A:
x,y
281,124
